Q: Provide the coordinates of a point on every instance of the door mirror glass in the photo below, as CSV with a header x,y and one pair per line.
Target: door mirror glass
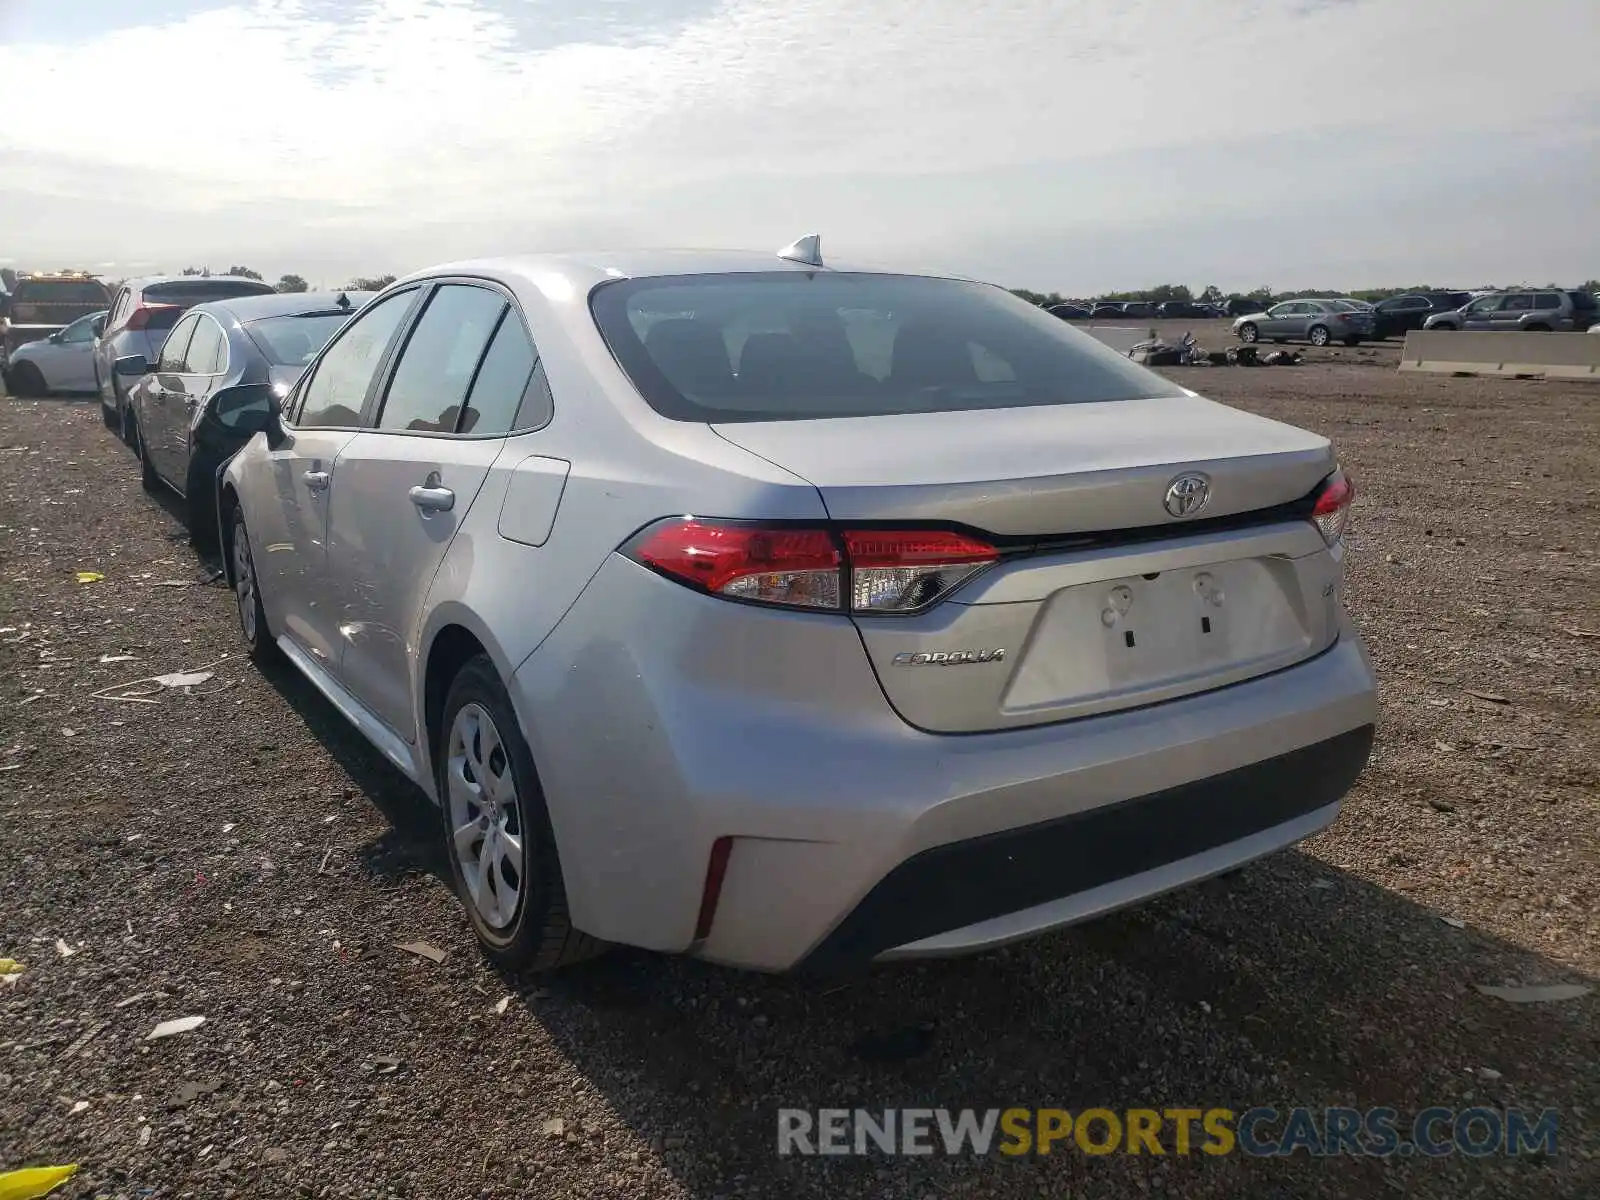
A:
x,y
132,365
247,409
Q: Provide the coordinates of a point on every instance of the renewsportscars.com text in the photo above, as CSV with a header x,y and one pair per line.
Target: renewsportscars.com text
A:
x,y
1259,1132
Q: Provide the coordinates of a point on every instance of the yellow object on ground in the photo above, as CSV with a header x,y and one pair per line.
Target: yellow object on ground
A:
x,y
10,966
90,577
33,1182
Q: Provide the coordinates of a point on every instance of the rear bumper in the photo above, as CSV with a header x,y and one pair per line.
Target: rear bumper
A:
x,y
987,891
662,720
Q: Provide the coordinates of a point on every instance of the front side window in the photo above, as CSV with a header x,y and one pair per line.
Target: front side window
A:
x,y
1485,304
798,345
206,349
177,343
440,358
334,397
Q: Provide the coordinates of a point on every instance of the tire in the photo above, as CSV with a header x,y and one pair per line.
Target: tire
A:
x,y
521,924
26,381
200,511
127,422
1319,335
1249,333
147,469
253,627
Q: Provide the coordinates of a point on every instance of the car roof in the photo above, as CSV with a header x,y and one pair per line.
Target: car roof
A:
x,y
139,283
582,271
245,309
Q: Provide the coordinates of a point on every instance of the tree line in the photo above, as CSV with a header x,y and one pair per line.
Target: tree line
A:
x,y
297,283
1212,294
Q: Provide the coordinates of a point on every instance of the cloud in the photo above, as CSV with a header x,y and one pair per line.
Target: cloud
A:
x,y
421,124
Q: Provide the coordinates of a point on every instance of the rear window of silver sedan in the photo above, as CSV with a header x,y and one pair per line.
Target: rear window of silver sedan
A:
x,y
791,345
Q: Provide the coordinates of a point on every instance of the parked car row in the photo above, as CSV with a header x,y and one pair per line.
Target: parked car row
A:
x,y
458,509
211,381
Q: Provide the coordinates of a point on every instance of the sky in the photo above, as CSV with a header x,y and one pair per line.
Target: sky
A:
x,y
1077,146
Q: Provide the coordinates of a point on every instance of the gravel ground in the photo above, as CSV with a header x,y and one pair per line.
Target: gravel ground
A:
x,y
235,852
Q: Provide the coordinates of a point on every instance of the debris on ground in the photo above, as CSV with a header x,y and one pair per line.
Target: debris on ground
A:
x,y
145,689
175,1026
31,1183
192,1091
422,950
90,577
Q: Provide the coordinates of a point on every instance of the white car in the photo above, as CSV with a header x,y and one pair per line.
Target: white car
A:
x,y
62,362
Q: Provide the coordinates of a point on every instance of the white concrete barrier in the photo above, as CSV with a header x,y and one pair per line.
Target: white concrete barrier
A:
x,y
1517,355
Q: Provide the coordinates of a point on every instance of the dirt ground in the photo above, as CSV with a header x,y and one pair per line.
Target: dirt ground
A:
x,y
236,852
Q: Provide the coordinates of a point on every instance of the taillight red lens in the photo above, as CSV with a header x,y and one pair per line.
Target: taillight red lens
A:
x,y
866,571
798,567
1331,513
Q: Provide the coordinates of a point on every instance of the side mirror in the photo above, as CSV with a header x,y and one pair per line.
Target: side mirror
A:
x,y
132,366
248,410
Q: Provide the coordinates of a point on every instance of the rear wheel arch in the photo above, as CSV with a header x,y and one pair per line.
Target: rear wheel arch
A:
x,y
452,648
227,503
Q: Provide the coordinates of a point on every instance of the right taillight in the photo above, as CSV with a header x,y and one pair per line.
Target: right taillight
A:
x,y
889,571
1331,512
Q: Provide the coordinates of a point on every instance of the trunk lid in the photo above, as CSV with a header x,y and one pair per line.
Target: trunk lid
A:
x,y
1043,471
1061,627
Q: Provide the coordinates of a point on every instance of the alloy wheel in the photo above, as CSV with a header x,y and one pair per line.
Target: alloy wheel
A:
x,y
485,816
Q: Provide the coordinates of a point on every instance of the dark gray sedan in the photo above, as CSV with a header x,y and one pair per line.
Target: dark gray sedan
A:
x,y
1316,321
219,370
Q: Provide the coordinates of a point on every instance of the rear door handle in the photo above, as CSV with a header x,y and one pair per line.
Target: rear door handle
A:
x,y
316,480
432,499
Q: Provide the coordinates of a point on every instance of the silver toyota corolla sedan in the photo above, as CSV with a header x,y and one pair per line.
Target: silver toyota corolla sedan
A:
x,y
794,616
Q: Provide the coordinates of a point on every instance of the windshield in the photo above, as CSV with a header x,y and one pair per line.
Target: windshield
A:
x,y
293,341
794,346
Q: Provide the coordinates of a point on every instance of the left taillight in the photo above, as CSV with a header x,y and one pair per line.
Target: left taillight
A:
x,y
1331,512
856,570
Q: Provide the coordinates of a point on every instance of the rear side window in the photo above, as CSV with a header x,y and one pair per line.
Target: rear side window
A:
x,y
334,397
440,358
784,346
502,378
1547,300
205,351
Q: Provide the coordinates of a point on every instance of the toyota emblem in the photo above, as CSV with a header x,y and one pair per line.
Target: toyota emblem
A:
x,y
1187,495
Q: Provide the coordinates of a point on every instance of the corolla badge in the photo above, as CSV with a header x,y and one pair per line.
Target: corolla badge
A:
x,y
1187,494
948,658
